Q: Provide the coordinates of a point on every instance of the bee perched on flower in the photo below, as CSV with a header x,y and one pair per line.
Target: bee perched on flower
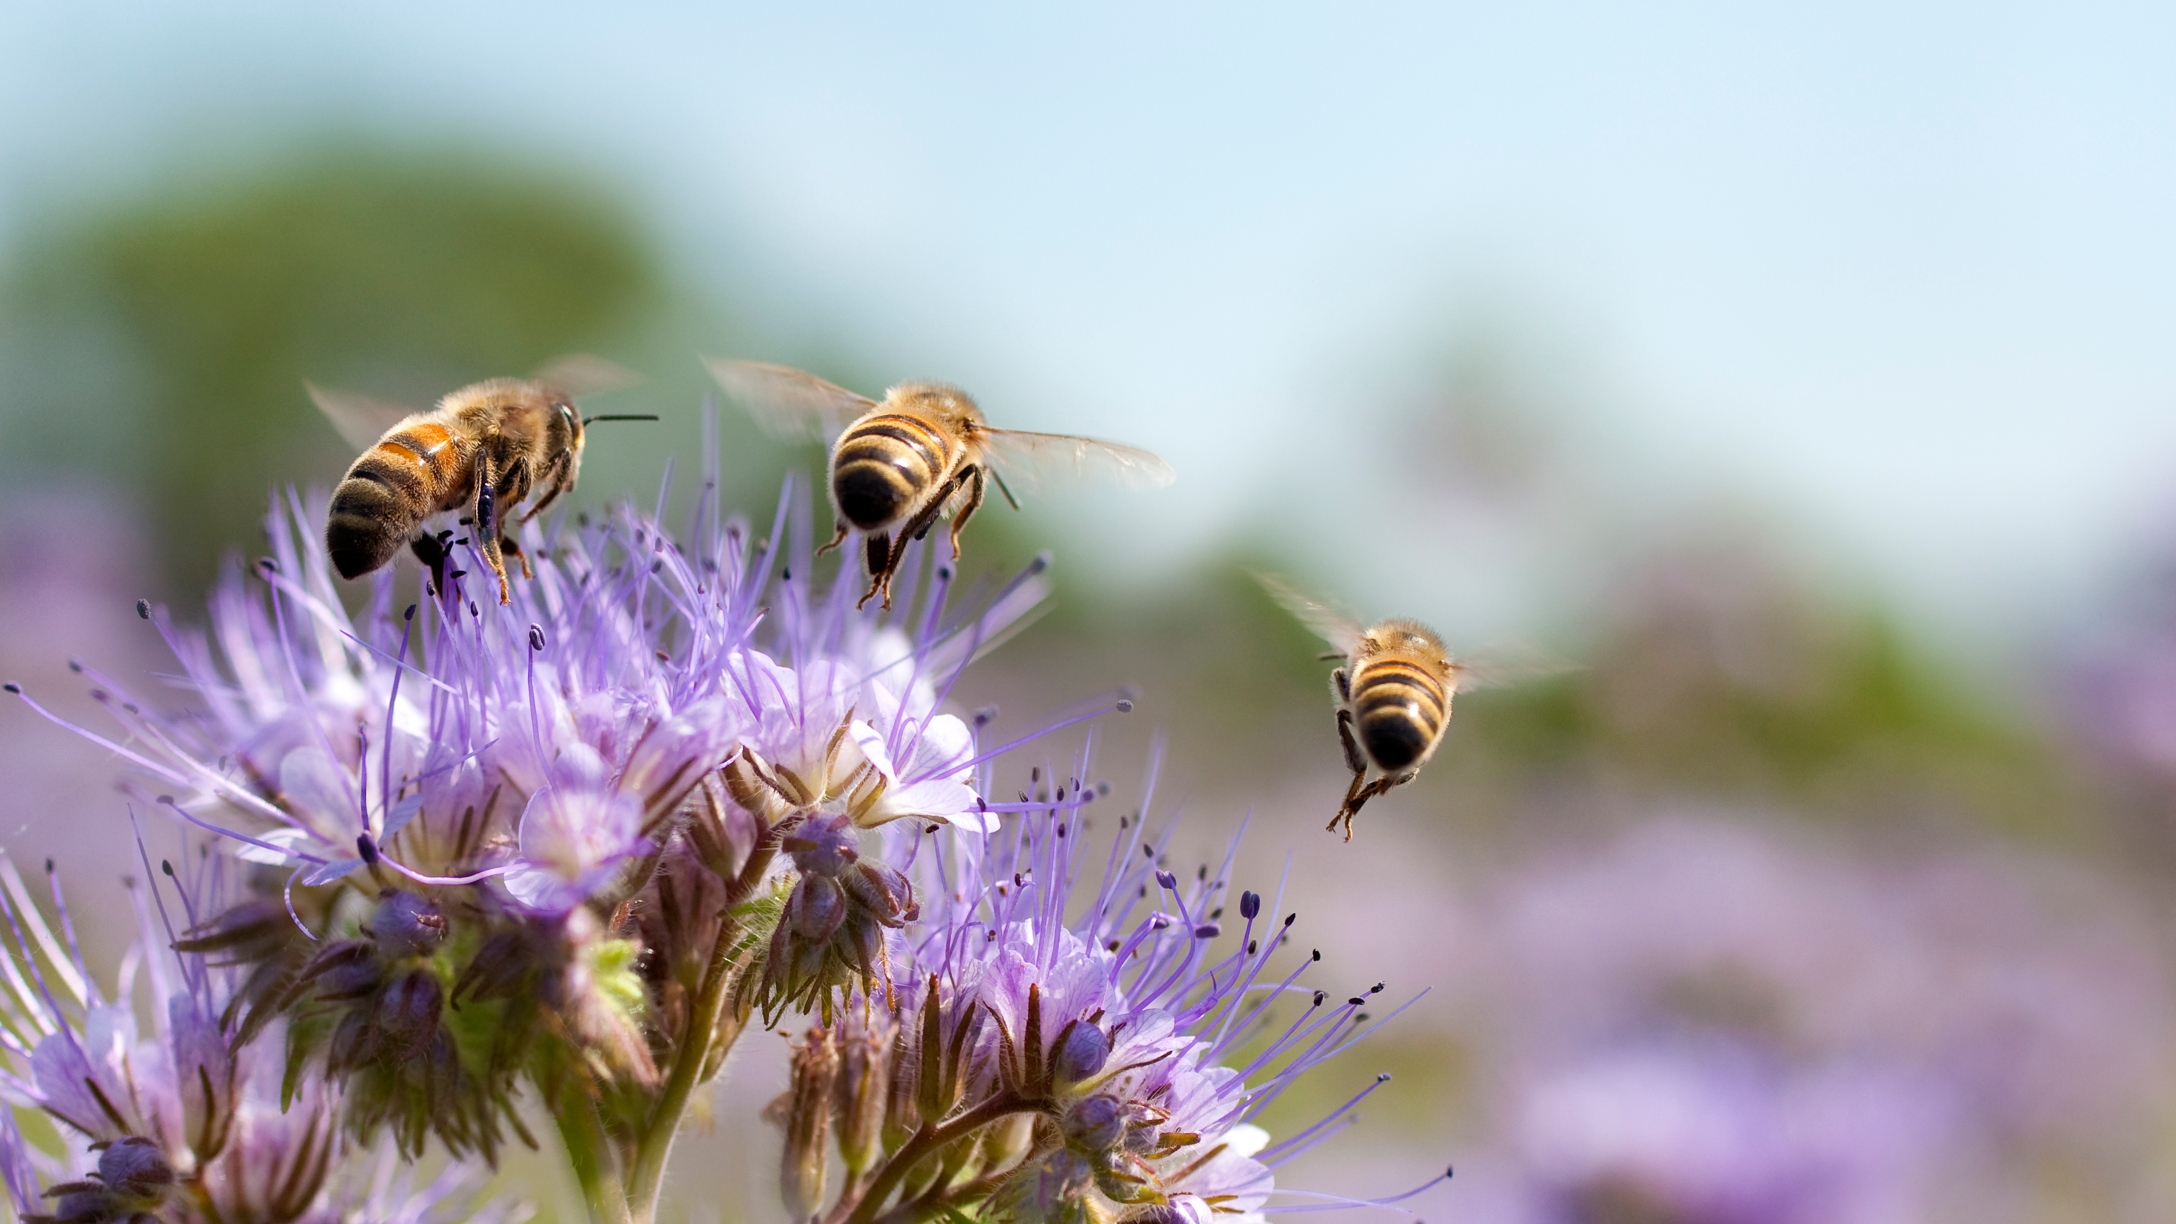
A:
x,y
569,849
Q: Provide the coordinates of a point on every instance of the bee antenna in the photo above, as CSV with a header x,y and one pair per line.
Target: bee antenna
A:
x,y
1002,489
619,416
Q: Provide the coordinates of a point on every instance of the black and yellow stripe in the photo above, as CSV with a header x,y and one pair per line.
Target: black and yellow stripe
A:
x,y
411,472
884,465
1399,709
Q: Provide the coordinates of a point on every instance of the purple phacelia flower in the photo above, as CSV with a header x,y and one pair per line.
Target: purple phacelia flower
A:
x,y
179,1125
1069,1050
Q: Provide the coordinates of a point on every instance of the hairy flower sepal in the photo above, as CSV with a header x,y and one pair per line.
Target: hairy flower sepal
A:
x,y
132,1182
831,935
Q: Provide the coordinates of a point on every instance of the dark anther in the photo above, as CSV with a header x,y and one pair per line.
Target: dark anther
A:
x,y
76,666
1103,788
1148,852
1040,563
1362,1018
49,866
1207,930
1382,1077
1035,774
1250,904
1125,707
1317,955
1320,996
1202,872
1253,945
1377,988
166,866
1356,1000
143,609
786,574
985,715
944,573
1166,880
536,637
410,614
1289,919
366,849
12,687
1216,913
268,565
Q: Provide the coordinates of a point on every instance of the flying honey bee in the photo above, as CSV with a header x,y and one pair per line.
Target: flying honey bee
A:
x,y
1393,694
922,454
485,448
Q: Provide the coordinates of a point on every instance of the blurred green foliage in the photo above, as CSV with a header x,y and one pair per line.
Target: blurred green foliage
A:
x,y
171,332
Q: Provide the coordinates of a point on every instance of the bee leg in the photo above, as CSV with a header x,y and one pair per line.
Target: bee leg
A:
x,y
1355,795
1354,761
1372,789
973,476
837,539
486,532
432,552
509,546
877,553
557,474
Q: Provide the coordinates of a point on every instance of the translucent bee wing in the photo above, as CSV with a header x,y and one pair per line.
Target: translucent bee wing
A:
x,y
1503,664
360,419
1332,624
789,403
580,374
1026,458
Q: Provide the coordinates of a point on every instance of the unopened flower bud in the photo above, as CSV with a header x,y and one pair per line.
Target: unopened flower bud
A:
x,y
864,1085
1050,1189
404,924
408,1012
137,1172
1081,1052
824,845
817,908
1093,1124
807,1121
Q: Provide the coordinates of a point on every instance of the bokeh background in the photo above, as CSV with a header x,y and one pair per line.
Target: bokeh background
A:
x,y
1803,374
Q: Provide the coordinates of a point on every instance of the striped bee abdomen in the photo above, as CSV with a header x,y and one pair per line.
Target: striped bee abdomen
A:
x,y
884,465
412,472
1398,711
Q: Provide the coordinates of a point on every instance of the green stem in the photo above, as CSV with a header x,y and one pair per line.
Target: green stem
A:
x,y
646,1178
589,1153
926,1141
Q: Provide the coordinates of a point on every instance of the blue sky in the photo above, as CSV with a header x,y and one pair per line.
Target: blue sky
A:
x,y
1904,274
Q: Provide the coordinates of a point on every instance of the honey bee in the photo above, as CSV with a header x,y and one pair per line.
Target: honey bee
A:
x,y
485,448
1393,694
922,454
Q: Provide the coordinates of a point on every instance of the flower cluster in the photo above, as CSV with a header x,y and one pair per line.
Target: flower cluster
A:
x,y
1087,1042
570,848
182,1123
